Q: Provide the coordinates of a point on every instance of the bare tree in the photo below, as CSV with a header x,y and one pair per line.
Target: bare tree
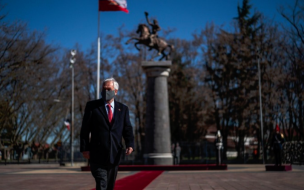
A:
x,y
293,120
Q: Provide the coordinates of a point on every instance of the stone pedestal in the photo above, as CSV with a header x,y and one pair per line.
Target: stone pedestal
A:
x,y
157,134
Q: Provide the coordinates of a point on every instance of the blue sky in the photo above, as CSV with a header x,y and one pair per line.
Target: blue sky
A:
x,y
68,22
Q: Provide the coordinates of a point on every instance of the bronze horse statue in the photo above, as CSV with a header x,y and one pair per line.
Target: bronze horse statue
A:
x,y
157,43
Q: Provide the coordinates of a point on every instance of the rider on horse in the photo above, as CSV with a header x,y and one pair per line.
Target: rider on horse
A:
x,y
151,40
155,29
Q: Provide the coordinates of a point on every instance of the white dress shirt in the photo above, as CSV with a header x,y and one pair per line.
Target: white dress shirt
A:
x,y
112,108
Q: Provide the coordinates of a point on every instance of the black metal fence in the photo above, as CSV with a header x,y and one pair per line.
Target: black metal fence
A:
x,y
203,152
30,154
293,152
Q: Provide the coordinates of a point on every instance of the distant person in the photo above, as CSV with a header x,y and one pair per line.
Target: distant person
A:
x,y
108,121
277,145
178,150
219,147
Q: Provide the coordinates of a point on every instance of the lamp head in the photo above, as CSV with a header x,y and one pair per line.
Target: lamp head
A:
x,y
72,60
73,52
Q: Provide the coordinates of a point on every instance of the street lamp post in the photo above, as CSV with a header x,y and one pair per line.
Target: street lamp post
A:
x,y
72,61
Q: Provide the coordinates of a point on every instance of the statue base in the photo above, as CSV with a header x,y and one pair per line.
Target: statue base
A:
x,y
158,159
278,168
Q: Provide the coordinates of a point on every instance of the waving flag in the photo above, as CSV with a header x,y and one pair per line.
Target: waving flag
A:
x,y
113,5
67,124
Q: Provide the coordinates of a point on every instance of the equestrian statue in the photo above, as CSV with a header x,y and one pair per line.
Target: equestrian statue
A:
x,y
151,39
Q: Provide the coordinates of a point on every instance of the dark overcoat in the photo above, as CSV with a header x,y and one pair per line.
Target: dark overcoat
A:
x,y
105,145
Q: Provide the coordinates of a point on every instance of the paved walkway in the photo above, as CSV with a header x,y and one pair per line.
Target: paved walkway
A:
x,y
47,177
237,177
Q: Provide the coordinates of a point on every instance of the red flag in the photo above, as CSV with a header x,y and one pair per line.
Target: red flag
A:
x,y
67,124
113,5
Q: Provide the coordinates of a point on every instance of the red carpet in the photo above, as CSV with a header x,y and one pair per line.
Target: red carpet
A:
x,y
172,167
167,167
137,181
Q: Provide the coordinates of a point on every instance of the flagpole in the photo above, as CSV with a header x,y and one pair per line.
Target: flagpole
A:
x,y
104,5
98,59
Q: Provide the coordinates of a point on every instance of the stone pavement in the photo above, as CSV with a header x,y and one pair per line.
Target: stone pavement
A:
x,y
237,177
47,177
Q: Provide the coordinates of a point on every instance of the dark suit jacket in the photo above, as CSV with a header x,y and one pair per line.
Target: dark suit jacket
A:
x,y
106,140
277,141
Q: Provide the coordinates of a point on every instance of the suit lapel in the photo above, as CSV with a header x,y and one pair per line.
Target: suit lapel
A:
x,y
117,112
103,111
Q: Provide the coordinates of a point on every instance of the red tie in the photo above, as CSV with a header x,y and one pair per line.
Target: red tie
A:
x,y
110,114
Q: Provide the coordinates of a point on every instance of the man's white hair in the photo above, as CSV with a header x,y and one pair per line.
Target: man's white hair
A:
x,y
116,85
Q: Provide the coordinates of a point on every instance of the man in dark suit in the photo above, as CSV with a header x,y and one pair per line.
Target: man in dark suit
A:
x,y
107,121
277,144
